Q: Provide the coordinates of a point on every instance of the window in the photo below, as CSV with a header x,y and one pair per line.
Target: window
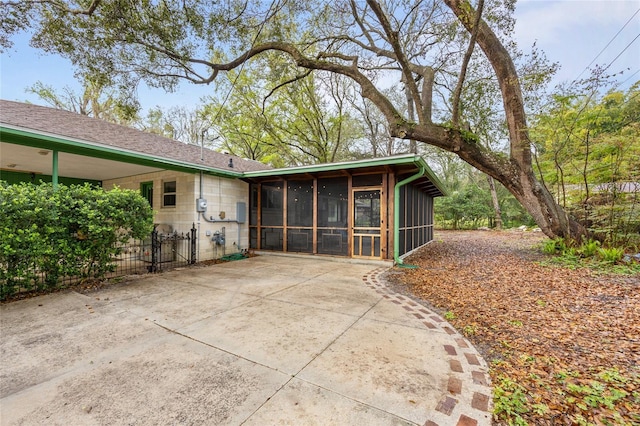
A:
x,y
271,203
300,203
169,194
332,202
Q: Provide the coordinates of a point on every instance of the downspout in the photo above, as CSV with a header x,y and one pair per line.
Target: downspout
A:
x,y
396,217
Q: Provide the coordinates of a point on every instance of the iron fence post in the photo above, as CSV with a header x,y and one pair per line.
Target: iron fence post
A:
x,y
154,250
193,243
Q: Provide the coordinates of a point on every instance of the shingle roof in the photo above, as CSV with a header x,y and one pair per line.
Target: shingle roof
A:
x,y
67,124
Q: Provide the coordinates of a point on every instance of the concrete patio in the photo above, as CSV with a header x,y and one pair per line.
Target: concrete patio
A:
x,y
266,340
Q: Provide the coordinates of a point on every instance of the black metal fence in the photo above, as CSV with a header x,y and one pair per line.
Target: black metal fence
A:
x,y
159,252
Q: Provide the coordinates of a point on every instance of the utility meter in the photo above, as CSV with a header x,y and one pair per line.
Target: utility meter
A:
x,y
201,205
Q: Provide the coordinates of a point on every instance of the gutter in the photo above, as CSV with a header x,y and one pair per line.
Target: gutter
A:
x,y
396,217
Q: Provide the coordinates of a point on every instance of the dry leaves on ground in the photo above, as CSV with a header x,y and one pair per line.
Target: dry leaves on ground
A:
x,y
563,345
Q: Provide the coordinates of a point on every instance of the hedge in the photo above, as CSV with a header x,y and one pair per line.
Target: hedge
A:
x,y
73,231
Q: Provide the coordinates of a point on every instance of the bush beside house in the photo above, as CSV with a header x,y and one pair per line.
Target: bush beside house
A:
x,y
70,231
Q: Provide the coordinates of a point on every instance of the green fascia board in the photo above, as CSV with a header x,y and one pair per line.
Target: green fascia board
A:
x,y
40,140
398,160
73,146
432,176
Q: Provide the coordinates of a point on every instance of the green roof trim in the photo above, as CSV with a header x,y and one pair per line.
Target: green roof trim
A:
x,y
406,159
80,147
43,140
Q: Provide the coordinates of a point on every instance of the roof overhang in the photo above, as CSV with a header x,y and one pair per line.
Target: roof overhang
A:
x,y
11,135
401,164
90,160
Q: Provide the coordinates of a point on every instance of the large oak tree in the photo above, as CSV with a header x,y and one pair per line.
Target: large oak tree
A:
x,y
423,43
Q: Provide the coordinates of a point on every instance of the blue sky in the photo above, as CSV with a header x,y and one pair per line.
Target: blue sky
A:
x,y
571,32
574,32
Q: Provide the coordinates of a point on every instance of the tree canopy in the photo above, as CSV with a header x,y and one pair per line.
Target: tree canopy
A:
x,y
448,55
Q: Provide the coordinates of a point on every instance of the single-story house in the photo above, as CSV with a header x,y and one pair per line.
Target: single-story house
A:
x,y
380,208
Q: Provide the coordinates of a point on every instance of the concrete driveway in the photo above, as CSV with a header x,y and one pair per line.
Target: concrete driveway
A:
x,y
266,340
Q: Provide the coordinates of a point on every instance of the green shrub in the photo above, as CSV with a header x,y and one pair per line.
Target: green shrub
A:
x,y
72,231
549,247
510,401
589,248
611,255
555,246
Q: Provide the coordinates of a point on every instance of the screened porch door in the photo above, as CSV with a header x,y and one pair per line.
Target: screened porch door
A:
x,y
366,223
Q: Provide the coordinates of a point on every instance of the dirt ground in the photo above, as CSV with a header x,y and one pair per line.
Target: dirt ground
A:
x,y
563,345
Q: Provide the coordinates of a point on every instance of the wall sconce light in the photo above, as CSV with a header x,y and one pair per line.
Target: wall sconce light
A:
x,y
43,152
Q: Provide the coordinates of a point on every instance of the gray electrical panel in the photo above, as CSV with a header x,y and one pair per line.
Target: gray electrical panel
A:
x,y
241,212
201,205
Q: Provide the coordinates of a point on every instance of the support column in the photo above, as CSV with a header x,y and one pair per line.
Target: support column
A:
x,y
54,171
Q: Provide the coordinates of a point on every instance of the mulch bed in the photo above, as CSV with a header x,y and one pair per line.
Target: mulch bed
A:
x,y
563,345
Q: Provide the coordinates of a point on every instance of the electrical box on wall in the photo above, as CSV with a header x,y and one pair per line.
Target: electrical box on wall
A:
x,y
241,212
201,205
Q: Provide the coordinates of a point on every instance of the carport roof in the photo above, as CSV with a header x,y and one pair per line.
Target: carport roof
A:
x,y
49,128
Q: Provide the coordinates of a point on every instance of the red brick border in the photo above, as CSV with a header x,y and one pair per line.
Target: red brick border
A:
x,y
467,394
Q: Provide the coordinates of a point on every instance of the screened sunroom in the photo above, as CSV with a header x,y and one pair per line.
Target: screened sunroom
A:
x,y
371,209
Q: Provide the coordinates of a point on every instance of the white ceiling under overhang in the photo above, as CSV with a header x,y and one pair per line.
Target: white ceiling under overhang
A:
x,y
25,159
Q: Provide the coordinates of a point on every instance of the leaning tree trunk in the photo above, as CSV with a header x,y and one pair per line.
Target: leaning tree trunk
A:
x,y
514,171
551,217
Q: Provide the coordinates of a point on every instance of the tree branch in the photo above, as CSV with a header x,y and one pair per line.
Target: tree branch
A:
x,y
399,56
503,66
293,80
56,4
455,119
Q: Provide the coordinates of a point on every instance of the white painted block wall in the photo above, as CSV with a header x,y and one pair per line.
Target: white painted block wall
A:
x,y
222,195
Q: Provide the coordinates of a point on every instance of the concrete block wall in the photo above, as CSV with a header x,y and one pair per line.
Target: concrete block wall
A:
x,y
222,194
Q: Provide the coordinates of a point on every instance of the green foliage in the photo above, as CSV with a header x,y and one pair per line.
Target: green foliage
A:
x,y
305,121
470,330
554,246
72,231
589,248
588,147
467,208
510,401
611,255
96,101
470,204
605,392
588,255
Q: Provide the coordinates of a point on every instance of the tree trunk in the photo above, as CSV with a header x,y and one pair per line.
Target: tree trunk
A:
x,y
518,175
496,204
413,146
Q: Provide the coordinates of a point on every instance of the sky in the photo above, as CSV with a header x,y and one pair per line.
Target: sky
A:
x,y
570,32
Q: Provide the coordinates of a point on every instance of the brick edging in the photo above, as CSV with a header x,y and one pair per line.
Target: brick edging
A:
x,y
468,397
